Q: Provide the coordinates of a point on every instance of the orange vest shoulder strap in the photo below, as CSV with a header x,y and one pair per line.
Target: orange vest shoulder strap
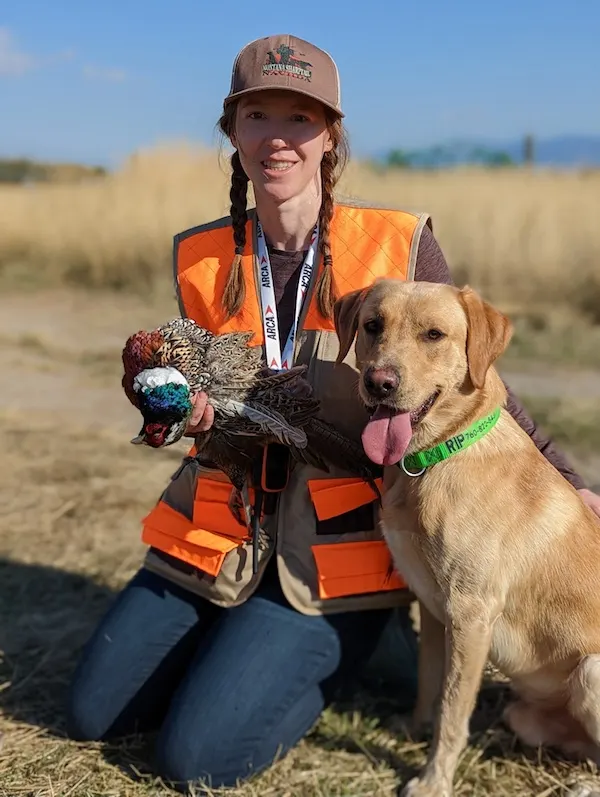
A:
x,y
202,257
368,243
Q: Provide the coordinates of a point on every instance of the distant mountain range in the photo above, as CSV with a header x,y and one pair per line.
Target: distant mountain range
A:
x,y
568,151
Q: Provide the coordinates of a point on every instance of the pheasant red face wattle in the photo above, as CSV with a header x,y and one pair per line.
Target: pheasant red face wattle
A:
x,y
155,434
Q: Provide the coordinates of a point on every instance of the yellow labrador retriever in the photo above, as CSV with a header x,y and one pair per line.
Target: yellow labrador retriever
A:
x,y
500,550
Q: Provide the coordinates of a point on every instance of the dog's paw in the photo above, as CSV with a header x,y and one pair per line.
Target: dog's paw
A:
x,y
423,788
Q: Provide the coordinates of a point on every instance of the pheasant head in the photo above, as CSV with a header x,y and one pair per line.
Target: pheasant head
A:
x,y
159,390
164,399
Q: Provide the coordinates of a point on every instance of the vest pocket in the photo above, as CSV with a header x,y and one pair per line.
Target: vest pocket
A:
x,y
204,541
169,531
343,506
354,568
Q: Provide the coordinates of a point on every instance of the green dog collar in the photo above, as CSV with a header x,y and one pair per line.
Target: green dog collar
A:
x,y
416,464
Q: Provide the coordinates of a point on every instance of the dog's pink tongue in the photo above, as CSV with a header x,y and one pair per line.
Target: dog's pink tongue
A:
x,y
386,436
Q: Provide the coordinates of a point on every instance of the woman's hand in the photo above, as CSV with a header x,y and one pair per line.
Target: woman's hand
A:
x,y
202,416
591,499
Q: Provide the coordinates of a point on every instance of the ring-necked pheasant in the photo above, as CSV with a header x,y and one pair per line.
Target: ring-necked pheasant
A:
x,y
253,406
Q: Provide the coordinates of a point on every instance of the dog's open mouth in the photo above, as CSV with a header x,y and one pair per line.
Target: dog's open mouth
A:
x,y
416,416
388,433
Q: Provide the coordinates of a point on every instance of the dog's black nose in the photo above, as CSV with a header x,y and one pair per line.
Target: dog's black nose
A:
x,y
380,382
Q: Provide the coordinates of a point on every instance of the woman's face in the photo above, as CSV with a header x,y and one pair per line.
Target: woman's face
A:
x,y
281,137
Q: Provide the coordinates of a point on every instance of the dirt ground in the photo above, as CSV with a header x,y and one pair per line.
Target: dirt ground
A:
x,y
73,493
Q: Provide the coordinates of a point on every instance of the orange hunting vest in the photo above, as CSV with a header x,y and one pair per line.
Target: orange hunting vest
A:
x,y
192,522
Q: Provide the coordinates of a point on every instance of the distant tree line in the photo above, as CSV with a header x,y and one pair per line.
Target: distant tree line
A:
x,y
23,170
439,156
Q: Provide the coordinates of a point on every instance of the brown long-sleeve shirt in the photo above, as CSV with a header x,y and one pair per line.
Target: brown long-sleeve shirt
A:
x,y
430,266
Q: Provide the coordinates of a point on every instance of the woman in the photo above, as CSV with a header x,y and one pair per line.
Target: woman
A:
x,y
234,667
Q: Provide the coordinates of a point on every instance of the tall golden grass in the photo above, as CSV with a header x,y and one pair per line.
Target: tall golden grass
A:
x,y
520,236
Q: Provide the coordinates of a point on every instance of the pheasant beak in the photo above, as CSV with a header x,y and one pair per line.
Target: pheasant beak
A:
x,y
140,438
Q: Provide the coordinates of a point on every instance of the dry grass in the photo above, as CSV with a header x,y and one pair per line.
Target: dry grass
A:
x,y
70,539
520,236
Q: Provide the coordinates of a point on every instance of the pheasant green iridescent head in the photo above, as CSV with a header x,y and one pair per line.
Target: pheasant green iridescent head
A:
x,y
164,398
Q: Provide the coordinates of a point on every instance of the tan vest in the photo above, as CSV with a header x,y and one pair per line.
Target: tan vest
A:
x,y
207,550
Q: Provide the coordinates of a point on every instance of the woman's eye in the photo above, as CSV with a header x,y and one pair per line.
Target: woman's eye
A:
x,y
256,115
300,117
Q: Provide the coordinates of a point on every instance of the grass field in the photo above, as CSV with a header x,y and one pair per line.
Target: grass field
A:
x,y
73,259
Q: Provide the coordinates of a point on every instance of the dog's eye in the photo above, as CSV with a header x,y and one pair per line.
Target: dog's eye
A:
x,y
434,334
373,326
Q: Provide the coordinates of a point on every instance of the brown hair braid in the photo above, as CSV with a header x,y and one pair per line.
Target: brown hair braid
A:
x,y
234,292
332,166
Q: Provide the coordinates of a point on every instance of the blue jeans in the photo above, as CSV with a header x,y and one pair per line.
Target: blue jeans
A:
x,y
228,690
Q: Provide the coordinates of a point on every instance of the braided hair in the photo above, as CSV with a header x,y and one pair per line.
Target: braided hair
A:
x,y
235,286
332,166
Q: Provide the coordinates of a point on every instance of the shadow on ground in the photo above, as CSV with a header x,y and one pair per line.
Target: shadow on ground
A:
x,y
45,616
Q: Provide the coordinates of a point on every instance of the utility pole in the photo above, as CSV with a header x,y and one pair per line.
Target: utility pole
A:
x,y
528,150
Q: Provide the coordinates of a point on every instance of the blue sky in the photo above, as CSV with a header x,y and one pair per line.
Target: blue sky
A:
x,y
93,82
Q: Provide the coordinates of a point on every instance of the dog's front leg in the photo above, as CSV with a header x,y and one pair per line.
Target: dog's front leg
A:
x,y
468,633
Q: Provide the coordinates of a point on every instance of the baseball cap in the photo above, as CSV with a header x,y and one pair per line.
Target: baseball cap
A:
x,y
286,62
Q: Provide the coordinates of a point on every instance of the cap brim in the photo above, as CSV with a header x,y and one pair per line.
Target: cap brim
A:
x,y
256,89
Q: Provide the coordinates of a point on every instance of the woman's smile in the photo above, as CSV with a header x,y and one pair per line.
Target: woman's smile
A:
x,y
275,168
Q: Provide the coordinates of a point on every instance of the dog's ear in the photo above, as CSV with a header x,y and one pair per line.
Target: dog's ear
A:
x,y
345,317
488,334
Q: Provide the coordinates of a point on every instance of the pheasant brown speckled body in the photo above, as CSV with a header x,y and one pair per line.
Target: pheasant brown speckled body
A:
x,y
253,406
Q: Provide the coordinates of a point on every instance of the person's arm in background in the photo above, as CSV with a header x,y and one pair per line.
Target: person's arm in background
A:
x,y
431,266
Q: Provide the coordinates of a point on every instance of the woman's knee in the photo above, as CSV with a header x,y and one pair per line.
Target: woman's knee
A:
x,y
191,756
215,764
83,716
134,659
182,762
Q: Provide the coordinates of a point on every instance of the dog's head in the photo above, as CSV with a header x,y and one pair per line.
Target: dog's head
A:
x,y
418,345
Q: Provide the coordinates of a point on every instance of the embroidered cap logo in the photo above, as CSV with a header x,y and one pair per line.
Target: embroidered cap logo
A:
x,y
282,61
